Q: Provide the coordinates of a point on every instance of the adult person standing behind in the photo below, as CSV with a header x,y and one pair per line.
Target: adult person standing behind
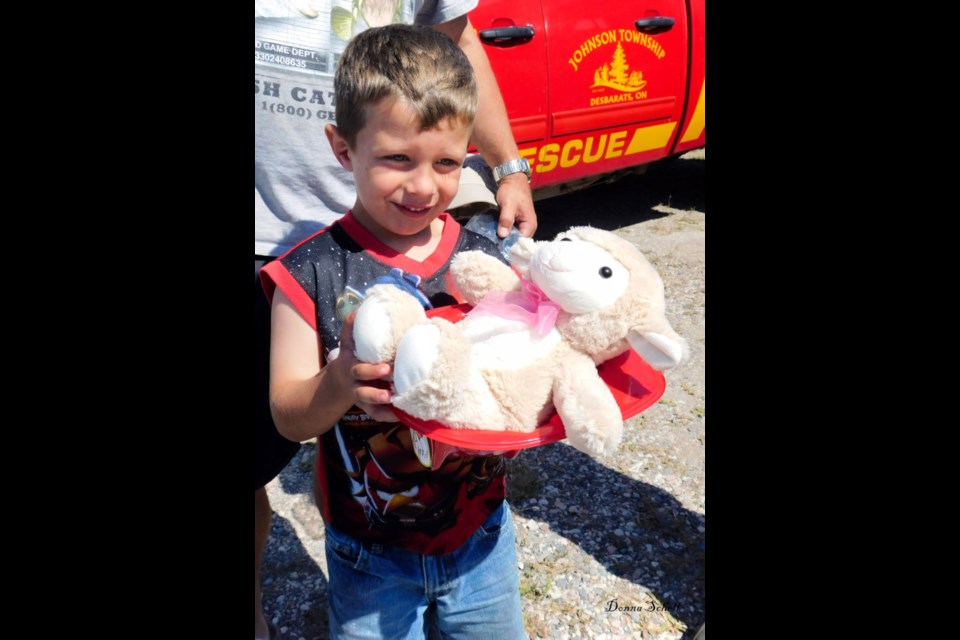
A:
x,y
300,187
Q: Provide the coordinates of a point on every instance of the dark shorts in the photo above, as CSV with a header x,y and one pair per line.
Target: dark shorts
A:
x,y
273,451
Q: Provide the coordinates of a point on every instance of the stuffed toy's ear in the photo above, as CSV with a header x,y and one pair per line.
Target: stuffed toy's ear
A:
x,y
661,350
521,253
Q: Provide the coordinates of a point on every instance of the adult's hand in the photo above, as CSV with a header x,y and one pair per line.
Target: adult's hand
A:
x,y
516,206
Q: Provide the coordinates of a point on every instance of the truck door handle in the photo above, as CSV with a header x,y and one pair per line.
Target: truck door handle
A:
x,y
655,25
507,36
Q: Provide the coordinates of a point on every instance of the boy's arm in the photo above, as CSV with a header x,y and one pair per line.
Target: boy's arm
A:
x,y
305,398
491,133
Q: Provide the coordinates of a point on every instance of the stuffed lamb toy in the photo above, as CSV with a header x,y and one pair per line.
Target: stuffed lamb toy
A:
x,y
531,344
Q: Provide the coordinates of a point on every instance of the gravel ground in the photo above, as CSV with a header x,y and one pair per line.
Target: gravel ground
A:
x,y
607,548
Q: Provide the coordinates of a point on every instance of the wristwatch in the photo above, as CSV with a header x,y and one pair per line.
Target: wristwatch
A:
x,y
513,166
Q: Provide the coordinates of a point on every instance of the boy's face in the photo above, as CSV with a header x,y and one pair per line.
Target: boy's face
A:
x,y
405,177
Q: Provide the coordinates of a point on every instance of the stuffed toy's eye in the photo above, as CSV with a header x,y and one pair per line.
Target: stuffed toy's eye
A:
x,y
605,272
565,240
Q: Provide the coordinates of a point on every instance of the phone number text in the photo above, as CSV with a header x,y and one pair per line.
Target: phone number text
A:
x,y
284,60
298,112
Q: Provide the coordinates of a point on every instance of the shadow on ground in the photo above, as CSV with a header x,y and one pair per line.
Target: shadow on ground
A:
x,y
637,531
294,587
677,183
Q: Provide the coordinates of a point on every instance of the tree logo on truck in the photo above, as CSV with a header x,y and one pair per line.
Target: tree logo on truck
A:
x,y
616,74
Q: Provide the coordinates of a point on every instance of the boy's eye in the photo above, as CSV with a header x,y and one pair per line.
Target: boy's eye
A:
x,y
447,162
397,157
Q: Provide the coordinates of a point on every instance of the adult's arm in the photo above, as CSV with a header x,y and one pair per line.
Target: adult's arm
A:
x,y
491,134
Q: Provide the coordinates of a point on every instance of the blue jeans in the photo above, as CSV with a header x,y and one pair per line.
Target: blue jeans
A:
x,y
380,592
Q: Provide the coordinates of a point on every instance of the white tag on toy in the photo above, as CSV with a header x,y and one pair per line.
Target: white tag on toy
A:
x,y
421,447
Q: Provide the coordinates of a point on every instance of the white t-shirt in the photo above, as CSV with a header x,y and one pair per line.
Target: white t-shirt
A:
x,y
299,185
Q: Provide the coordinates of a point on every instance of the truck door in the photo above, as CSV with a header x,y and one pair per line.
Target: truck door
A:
x,y
617,74
693,128
514,39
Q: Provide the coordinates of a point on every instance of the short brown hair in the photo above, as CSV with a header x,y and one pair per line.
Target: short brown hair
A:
x,y
416,63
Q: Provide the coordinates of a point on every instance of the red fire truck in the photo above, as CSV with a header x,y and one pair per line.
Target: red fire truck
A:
x,y
597,88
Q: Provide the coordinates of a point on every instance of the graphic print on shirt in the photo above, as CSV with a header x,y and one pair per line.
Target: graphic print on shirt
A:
x,y
394,489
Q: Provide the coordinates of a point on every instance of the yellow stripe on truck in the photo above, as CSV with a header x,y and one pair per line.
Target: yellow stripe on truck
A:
x,y
595,148
650,138
695,128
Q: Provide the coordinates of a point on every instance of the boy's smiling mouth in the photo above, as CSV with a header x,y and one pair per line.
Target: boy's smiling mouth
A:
x,y
413,210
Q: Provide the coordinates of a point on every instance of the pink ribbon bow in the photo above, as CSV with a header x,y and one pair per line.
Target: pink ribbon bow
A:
x,y
530,305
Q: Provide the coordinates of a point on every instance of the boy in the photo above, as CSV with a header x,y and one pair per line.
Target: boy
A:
x,y
300,187
407,548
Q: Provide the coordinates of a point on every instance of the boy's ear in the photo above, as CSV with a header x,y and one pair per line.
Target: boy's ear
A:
x,y
339,145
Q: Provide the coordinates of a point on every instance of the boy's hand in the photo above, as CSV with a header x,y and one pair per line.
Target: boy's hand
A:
x,y
516,206
370,383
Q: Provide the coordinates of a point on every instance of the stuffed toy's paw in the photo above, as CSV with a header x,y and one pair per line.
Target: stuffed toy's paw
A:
x,y
383,318
477,274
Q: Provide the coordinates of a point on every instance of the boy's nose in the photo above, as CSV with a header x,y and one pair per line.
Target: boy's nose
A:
x,y
421,181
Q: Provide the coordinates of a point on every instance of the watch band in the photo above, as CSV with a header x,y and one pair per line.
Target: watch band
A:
x,y
513,166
